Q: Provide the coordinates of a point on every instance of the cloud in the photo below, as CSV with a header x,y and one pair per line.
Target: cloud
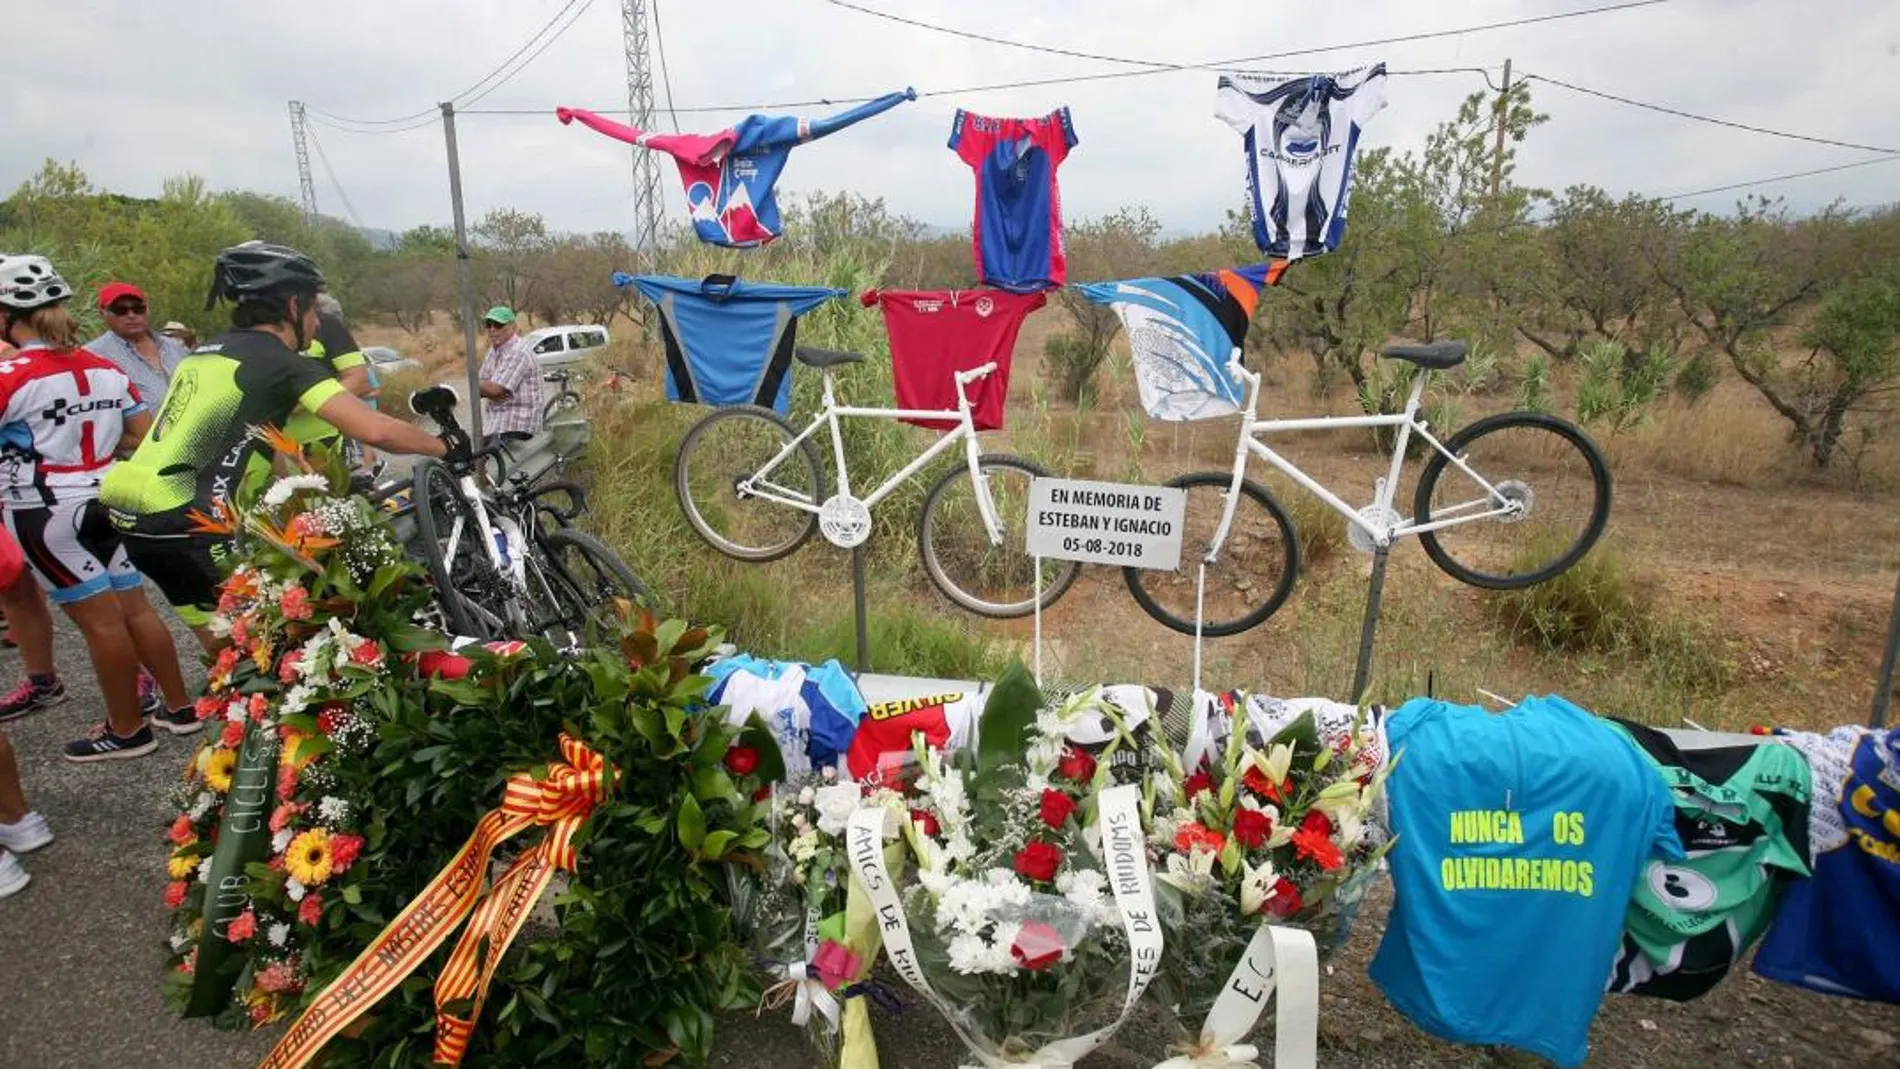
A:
x,y
138,93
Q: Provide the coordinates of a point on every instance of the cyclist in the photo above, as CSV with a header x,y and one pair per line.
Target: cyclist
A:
x,y
201,441
64,412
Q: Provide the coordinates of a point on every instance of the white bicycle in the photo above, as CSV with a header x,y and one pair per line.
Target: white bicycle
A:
x,y
1508,502
754,489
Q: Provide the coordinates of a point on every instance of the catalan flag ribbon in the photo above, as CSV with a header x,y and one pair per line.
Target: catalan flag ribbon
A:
x,y
559,802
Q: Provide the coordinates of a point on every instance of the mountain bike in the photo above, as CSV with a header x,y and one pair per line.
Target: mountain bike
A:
x,y
1505,503
502,553
754,489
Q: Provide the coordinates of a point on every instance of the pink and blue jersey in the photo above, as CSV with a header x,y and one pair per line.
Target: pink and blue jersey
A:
x,y
729,175
1018,228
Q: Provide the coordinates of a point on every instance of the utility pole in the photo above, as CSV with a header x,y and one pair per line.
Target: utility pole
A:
x,y
467,278
306,185
646,168
1497,147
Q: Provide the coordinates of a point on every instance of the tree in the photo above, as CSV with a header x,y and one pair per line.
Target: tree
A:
x,y
511,244
408,287
1594,278
1851,356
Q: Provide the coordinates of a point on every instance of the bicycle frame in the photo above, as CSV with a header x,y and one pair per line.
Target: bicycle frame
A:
x,y
759,484
1408,423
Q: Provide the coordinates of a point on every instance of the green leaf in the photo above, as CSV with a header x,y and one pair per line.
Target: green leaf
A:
x,y
1008,716
692,824
353,894
716,844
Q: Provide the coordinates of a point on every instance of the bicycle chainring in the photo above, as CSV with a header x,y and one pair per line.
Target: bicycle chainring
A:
x,y
845,521
1383,516
1519,491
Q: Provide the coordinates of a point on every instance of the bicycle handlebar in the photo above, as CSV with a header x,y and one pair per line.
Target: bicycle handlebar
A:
x,y
976,373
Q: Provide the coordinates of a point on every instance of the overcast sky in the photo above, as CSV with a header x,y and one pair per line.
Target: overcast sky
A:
x,y
137,92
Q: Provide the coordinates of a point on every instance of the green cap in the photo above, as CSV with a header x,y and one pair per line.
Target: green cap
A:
x,y
501,313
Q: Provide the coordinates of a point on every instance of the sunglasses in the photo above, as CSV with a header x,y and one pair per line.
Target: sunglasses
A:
x,y
492,325
129,308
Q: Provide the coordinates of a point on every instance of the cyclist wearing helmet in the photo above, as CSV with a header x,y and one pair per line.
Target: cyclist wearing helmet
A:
x,y
201,442
64,412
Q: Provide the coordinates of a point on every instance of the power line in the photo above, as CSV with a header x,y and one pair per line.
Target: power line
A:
x,y
536,54
432,112
324,159
666,80
1706,118
1782,178
432,120
888,16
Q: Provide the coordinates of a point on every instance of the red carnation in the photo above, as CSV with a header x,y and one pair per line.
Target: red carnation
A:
x,y
281,817
1284,901
181,832
259,706
742,760
207,707
367,654
1193,836
928,820
1076,765
1039,861
233,735
242,927
1317,822
1056,807
286,782
1257,782
1311,842
310,911
1195,784
175,892
1037,946
287,668
1252,827
295,603
344,850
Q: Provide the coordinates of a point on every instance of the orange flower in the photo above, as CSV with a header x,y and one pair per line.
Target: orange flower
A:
x,y
222,520
283,443
1193,836
1311,842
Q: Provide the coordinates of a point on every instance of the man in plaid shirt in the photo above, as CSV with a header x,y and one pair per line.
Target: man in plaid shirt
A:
x,y
511,380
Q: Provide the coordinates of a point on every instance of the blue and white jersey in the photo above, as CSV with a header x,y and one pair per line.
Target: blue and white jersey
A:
x,y
1300,136
728,341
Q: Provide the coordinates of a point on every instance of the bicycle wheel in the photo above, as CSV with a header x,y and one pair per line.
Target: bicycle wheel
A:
x,y
723,450
1548,466
561,404
1248,580
586,576
466,583
998,581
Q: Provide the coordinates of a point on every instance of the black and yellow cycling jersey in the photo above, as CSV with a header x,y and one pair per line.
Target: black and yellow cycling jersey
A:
x,y
335,349
200,442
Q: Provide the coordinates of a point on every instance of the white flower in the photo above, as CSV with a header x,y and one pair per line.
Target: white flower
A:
x,y
969,954
1275,763
204,870
1001,960
1193,873
806,796
202,805
281,490
333,810
804,847
179,939
1256,886
294,890
281,841
296,698
279,934
835,803
1084,888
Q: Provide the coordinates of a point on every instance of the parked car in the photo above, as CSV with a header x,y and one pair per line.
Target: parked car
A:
x,y
386,360
565,344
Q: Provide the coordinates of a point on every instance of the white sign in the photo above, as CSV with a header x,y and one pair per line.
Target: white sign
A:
x,y
1106,523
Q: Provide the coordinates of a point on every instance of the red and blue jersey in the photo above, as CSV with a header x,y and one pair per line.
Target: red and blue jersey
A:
x,y
1018,228
729,175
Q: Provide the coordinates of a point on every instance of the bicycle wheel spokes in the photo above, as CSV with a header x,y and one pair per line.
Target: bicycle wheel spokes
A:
x,y
725,450
1250,576
998,579
1548,472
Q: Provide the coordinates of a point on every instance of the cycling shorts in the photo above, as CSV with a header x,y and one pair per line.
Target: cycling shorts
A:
x,y
188,571
71,549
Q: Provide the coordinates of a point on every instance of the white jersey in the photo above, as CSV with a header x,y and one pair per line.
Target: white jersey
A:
x,y
1301,136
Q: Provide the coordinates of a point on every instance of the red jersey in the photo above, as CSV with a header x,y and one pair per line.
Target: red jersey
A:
x,y
62,413
936,333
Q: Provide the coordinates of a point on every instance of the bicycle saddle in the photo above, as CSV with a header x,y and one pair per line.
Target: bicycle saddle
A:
x,y
434,400
825,357
1438,356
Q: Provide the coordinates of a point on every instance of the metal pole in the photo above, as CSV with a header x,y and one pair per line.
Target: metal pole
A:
x,y
1497,147
1883,688
467,279
1362,673
857,597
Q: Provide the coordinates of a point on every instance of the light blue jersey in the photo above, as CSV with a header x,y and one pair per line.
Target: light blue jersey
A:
x,y
1521,836
728,341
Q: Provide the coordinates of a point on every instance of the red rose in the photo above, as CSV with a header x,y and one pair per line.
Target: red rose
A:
x,y
1252,827
1076,765
742,760
1039,861
175,894
1257,782
367,654
762,793
1195,784
1317,822
442,664
1284,901
1037,946
344,850
928,820
181,832
1056,807
233,735
310,911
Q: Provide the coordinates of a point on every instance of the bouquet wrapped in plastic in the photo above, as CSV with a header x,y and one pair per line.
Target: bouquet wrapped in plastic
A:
x,y
1029,920
1268,831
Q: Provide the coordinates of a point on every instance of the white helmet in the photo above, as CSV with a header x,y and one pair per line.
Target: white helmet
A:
x,y
28,282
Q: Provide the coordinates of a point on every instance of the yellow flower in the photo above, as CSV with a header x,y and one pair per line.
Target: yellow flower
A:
x,y
308,858
218,768
182,865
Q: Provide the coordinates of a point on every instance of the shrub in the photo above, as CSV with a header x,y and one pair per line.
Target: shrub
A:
x,y
1072,362
1697,377
1533,392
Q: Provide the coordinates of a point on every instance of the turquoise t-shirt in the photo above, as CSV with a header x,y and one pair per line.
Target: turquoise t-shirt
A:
x,y
1521,836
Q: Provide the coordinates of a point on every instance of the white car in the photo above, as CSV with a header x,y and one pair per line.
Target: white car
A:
x,y
385,360
565,344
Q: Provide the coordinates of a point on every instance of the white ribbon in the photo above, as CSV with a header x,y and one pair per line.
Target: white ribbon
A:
x,y
811,993
1279,963
1127,858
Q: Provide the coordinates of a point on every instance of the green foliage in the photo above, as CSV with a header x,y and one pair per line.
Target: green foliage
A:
x,y
1697,376
1617,386
1533,392
1071,361
1853,355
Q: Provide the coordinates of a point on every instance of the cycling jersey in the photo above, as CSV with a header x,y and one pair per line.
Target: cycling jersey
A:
x,y
201,440
935,334
62,413
335,349
1182,331
1018,228
728,341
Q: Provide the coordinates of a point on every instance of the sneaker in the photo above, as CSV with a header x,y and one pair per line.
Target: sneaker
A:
x,y
29,696
100,744
177,721
12,876
28,835
150,704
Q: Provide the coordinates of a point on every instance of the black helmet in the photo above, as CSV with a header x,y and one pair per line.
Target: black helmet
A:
x,y
259,269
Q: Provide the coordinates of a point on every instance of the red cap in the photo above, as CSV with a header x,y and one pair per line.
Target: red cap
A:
x,y
112,291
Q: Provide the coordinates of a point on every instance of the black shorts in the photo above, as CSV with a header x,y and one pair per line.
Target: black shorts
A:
x,y
187,570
